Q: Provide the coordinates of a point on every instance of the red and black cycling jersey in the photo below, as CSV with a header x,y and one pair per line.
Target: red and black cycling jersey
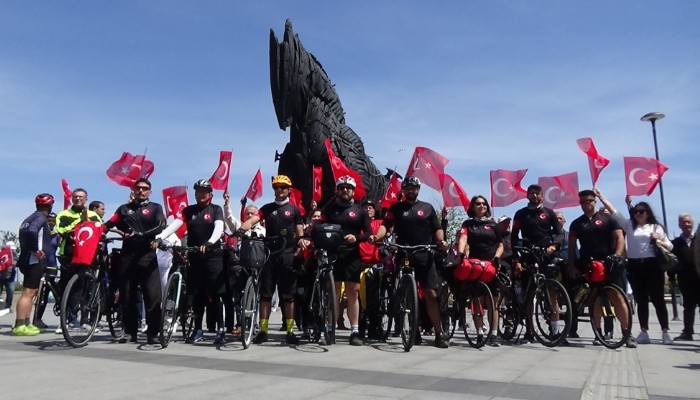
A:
x,y
483,238
595,236
143,219
200,223
353,220
414,223
281,220
539,226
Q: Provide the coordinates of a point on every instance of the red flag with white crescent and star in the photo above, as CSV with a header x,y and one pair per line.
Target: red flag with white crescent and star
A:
x,y
596,162
255,190
393,190
67,194
452,193
642,175
427,165
175,200
5,258
219,179
506,187
295,198
560,191
128,168
340,169
87,239
318,176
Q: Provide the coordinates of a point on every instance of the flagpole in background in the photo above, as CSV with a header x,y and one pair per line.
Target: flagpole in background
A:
x,y
653,117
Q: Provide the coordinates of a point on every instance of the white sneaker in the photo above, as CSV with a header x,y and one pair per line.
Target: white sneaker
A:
x,y
643,338
4,311
58,331
666,339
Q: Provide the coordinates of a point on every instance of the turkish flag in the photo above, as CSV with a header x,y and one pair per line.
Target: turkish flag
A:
x,y
255,190
295,198
393,191
642,174
219,179
506,187
5,258
175,200
340,169
128,168
318,190
596,162
452,193
87,239
427,165
560,191
67,194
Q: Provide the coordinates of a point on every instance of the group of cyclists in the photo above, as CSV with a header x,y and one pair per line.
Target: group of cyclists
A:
x,y
596,248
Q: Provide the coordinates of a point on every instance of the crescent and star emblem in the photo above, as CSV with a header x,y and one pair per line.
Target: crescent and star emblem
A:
x,y
452,190
352,214
287,213
145,211
420,213
82,239
543,216
635,182
598,164
4,259
598,222
224,166
207,217
548,192
496,190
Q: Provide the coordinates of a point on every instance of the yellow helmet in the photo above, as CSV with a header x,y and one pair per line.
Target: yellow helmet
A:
x,y
282,180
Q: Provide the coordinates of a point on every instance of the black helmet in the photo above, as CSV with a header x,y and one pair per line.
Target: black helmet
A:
x,y
203,184
411,181
369,202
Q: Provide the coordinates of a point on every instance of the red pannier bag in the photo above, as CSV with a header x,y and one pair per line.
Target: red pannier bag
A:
x,y
596,272
472,269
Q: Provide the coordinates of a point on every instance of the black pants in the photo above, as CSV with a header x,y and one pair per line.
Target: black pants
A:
x,y
207,280
140,268
689,284
647,281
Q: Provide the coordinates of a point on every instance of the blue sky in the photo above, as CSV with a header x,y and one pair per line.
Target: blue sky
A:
x,y
489,85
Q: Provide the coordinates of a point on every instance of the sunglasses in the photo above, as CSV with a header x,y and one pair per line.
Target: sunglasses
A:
x,y
584,201
345,188
640,211
141,188
279,187
480,203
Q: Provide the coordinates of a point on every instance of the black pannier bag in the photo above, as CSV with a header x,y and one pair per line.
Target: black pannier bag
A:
x,y
326,236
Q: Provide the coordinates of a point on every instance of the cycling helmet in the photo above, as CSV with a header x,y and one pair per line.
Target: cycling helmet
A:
x,y
369,202
411,181
203,184
44,199
346,180
282,180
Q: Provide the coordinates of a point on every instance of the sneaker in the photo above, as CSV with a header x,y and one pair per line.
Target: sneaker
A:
x,y
151,339
573,335
597,342
292,338
196,337
666,339
261,337
419,340
40,324
643,338
306,335
58,331
22,330
34,328
440,342
493,341
220,338
526,339
341,326
4,311
631,343
683,336
608,336
144,328
355,339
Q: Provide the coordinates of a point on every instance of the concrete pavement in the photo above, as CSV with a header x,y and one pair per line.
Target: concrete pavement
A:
x,y
44,365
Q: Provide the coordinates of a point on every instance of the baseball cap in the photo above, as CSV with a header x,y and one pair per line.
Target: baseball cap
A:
x,y
503,218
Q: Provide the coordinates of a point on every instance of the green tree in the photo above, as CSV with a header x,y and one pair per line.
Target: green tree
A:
x,y
7,236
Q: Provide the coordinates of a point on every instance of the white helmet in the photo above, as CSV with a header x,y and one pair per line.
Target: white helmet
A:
x,y
346,180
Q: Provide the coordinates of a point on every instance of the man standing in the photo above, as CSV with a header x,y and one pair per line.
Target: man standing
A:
x,y
34,240
140,220
688,279
355,228
415,222
283,221
599,236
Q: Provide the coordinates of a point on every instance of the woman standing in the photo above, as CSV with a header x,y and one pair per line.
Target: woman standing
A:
x,y
643,232
480,239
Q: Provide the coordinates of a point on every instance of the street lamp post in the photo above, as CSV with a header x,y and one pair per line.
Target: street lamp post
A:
x,y
653,117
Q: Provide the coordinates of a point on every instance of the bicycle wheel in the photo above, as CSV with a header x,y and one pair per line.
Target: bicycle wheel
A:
x,y
39,301
507,316
82,301
448,315
549,313
114,316
387,308
328,305
408,311
477,309
249,312
604,314
170,309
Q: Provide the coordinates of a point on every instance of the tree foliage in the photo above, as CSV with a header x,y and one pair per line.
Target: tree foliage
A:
x,y
7,236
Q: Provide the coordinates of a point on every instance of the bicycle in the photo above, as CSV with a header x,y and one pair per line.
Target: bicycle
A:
x,y
404,303
84,298
173,310
475,307
544,305
323,303
47,287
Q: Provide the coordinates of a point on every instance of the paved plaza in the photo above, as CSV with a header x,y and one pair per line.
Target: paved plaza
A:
x,y
44,366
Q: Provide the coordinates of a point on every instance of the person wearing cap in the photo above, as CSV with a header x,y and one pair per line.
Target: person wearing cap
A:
x,y
355,226
34,241
415,222
205,226
284,222
504,228
8,274
141,220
